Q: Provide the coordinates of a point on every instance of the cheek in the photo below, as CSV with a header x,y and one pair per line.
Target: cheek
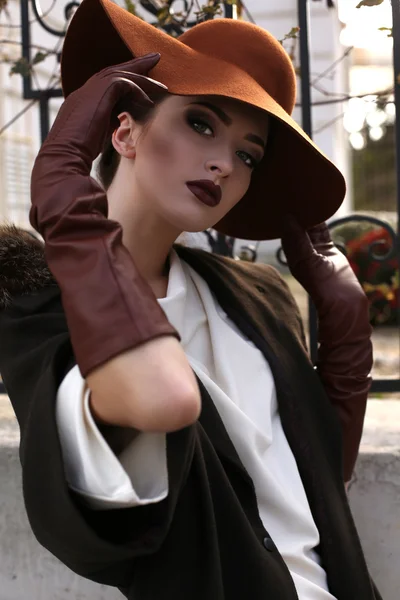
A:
x,y
165,151
156,147
239,184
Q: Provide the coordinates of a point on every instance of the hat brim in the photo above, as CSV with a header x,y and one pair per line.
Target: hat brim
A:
x,y
294,175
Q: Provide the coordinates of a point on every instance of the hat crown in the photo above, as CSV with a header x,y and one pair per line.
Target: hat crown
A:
x,y
220,57
250,48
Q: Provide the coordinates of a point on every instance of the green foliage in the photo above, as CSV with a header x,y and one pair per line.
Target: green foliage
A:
x,y
164,16
39,57
389,29
21,67
130,6
292,35
369,3
210,10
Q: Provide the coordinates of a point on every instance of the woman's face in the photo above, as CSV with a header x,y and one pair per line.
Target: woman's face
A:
x,y
192,138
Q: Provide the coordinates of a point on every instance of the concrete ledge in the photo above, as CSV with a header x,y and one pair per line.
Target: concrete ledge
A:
x,y
29,571
375,495
375,503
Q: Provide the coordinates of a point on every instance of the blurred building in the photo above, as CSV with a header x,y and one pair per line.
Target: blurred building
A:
x,y
20,142
369,118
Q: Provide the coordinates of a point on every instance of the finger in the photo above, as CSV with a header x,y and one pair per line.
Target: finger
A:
x,y
124,95
320,234
120,96
296,243
148,85
131,101
140,65
143,81
141,92
143,64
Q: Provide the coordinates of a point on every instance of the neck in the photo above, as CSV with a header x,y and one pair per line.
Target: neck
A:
x,y
147,238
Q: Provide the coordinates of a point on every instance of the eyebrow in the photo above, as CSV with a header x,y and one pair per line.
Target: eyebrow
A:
x,y
251,137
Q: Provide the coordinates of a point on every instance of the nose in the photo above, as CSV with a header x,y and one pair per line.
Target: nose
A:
x,y
222,167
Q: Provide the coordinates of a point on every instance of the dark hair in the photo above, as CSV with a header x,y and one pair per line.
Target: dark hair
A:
x,y
109,159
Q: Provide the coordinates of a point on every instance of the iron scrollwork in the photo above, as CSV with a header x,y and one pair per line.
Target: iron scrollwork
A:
x,y
372,247
374,254
173,16
392,251
69,9
176,21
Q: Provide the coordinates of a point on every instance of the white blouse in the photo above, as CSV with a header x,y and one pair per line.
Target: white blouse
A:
x,y
241,385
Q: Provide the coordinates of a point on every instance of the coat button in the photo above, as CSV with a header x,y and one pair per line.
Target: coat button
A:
x,y
269,544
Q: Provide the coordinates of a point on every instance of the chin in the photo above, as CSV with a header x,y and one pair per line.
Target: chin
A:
x,y
192,223
195,226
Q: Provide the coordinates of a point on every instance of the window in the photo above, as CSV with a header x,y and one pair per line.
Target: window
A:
x,y
17,161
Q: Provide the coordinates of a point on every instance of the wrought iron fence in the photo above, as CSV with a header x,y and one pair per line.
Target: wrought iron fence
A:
x,y
378,385
225,246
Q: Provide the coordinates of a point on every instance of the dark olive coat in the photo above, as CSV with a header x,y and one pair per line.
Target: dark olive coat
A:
x,y
205,541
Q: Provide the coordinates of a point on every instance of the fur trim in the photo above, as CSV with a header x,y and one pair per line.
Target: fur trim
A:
x,y
23,267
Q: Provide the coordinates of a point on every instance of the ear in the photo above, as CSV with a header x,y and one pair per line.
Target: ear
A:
x,y
125,137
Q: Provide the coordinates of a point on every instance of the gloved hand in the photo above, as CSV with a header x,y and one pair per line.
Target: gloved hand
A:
x,y
344,358
109,307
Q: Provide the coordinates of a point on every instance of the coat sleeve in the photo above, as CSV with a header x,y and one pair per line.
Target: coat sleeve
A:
x,y
35,356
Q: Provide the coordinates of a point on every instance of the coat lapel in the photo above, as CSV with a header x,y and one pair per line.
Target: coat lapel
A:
x,y
255,298
242,297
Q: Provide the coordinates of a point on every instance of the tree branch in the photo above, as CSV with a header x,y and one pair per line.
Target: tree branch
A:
x,y
34,46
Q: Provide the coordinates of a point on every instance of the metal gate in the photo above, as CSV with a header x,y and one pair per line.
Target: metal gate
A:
x,y
378,385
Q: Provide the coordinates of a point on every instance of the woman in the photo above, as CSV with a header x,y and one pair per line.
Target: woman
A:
x,y
176,441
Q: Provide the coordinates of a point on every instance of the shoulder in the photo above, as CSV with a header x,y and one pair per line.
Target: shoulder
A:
x,y
33,328
258,276
258,287
23,268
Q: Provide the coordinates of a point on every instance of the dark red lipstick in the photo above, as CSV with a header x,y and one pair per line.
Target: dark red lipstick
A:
x,y
206,191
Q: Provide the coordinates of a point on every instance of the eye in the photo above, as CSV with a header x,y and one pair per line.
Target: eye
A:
x,y
248,160
201,126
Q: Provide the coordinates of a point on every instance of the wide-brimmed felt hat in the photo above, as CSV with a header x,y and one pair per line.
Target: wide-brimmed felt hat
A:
x,y
220,57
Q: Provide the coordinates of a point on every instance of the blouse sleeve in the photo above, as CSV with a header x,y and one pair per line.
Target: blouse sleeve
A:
x,y
137,477
35,357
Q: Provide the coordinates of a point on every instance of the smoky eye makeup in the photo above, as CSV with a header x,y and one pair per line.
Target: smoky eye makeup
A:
x,y
194,115
202,117
257,156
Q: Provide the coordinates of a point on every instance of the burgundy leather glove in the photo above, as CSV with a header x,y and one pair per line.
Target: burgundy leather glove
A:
x,y
109,307
344,358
